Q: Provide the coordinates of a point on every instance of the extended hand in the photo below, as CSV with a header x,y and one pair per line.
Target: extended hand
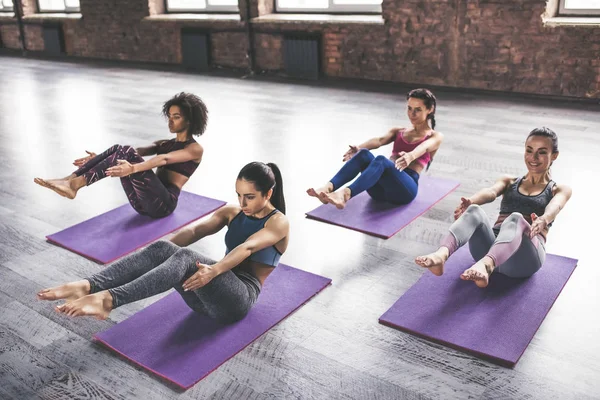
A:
x,y
123,168
464,204
205,274
538,224
80,161
404,160
350,153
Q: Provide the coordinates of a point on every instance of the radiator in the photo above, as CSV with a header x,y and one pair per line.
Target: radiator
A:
x,y
195,49
301,56
53,40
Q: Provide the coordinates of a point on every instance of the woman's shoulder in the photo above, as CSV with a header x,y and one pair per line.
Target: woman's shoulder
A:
x,y
162,141
561,188
228,212
278,221
436,134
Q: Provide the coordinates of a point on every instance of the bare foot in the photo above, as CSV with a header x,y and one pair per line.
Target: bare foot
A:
x,y
319,192
434,261
70,291
480,272
60,186
97,305
338,198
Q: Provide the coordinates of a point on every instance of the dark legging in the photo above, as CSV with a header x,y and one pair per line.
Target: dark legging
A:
x,y
146,193
164,265
379,177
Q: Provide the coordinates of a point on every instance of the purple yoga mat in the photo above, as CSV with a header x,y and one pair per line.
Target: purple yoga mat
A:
x,y
183,347
120,231
496,323
381,219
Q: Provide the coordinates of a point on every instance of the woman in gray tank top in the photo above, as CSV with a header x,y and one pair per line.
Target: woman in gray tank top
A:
x,y
515,244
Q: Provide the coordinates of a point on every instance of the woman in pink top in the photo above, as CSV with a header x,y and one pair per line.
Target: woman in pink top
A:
x,y
394,180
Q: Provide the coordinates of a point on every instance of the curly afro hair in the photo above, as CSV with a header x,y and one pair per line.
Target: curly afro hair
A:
x,y
193,109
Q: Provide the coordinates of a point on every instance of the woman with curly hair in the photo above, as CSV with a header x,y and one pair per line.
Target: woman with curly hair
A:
x,y
151,194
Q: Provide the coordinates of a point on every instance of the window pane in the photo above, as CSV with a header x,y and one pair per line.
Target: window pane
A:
x,y
72,3
358,2
187,4
582,4
7,4
303,4
52,5
223,3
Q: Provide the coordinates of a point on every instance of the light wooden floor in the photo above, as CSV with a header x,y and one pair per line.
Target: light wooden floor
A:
x,y
333,347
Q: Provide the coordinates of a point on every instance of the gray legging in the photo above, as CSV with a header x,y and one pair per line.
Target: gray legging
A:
x,y
514,253
164,265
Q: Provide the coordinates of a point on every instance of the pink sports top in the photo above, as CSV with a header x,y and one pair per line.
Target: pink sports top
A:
x,y
402,145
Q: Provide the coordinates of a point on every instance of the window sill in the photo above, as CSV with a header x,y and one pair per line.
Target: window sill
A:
x,y
7,16
210,17
592,22
52,17
320,19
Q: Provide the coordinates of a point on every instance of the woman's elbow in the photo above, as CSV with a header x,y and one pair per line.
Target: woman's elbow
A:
x,y
163,160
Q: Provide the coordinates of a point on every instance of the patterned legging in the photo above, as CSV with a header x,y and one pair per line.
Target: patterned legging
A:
x,y
146,193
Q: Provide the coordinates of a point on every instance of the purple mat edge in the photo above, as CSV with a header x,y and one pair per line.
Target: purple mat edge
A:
x,y
98,340
497,360
307,215
49,239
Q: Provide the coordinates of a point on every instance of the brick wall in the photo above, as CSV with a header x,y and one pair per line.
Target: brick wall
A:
x,y
34,41
9,36
483,44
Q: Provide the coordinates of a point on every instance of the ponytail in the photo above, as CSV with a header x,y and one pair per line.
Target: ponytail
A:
x,y
277,198
432,118
265,177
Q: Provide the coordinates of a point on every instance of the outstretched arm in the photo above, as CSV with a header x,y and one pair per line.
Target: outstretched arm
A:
x,y
210,226
484,196
561,196
274,231
431,145
148,150
372,144
377,142
191,152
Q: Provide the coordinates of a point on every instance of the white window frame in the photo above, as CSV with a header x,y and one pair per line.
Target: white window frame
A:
x,y
5,8
562,10
64,10
209,9
333,9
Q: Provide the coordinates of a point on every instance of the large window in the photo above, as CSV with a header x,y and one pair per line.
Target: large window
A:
x,y
329,6
201,6
6,6
60,6
579,7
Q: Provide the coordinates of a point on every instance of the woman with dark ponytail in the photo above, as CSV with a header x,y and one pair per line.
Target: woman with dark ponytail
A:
x,y
394,180
257,236
514,245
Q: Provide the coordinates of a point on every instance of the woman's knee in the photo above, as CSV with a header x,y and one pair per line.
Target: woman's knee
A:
x,y
184,252
515,217
475,213
514,220
162,246
364,155
126,150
